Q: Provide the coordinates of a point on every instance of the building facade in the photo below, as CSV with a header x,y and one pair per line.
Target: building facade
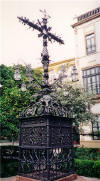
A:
x,y
87,42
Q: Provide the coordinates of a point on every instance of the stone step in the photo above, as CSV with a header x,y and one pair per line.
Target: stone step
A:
x,y
68,178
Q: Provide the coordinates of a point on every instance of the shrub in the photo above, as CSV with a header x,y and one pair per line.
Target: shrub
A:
x,y
9,161
87,153
84,167
88,168
9,168
96,169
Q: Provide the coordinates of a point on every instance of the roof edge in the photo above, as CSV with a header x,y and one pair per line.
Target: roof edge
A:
x,y
85,20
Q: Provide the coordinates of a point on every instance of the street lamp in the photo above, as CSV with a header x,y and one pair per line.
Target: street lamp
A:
x,y
74,74
23,87
17,74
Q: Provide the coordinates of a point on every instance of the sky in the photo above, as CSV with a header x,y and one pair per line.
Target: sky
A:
x,y
21,45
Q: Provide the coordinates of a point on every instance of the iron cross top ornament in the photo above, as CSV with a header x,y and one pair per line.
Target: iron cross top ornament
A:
x,y
44,31
46,101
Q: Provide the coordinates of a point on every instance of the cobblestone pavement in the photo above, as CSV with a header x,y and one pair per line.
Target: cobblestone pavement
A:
x,y
80,178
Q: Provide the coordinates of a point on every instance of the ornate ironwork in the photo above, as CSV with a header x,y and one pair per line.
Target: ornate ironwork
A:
x,y
46,141
46,147
46,101
44,31
47,104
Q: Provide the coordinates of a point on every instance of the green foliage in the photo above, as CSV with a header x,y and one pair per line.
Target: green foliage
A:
x,y
9,161
87,168
13,100
78,101
84,167
9,168
87,153
96,169
87,162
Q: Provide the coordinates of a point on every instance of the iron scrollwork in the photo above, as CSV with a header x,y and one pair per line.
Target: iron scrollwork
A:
x,y
46,135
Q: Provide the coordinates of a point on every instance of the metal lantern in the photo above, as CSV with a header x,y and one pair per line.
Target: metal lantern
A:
x,y
17,74
74,74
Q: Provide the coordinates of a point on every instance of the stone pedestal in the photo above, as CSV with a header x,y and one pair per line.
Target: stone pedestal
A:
x,y
20,178
68,178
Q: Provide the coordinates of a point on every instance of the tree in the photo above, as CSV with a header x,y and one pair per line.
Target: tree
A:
x,y
13,100
79,101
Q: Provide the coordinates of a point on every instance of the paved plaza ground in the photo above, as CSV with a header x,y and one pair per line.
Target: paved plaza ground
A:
x,y
8,179
80,178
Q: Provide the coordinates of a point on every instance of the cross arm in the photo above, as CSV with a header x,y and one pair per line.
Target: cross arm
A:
x,y
32,25
54,37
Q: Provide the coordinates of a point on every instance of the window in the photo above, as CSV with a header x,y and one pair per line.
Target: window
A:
x,y
91,79
96,129
90,43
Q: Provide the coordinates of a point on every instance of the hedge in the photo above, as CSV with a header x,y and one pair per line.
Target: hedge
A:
x,y
9,161
87,153
9,168
89,168
96,169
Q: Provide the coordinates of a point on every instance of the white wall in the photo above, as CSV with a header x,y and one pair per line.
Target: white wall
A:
x,y
81,31
83,60
97,29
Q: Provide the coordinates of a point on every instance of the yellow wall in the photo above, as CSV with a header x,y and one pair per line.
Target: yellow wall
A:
x,y
56,66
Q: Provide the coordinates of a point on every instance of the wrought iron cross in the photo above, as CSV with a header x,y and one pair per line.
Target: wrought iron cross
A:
x,y
44,31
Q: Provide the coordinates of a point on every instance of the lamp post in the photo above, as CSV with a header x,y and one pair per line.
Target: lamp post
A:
x,y
74,74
